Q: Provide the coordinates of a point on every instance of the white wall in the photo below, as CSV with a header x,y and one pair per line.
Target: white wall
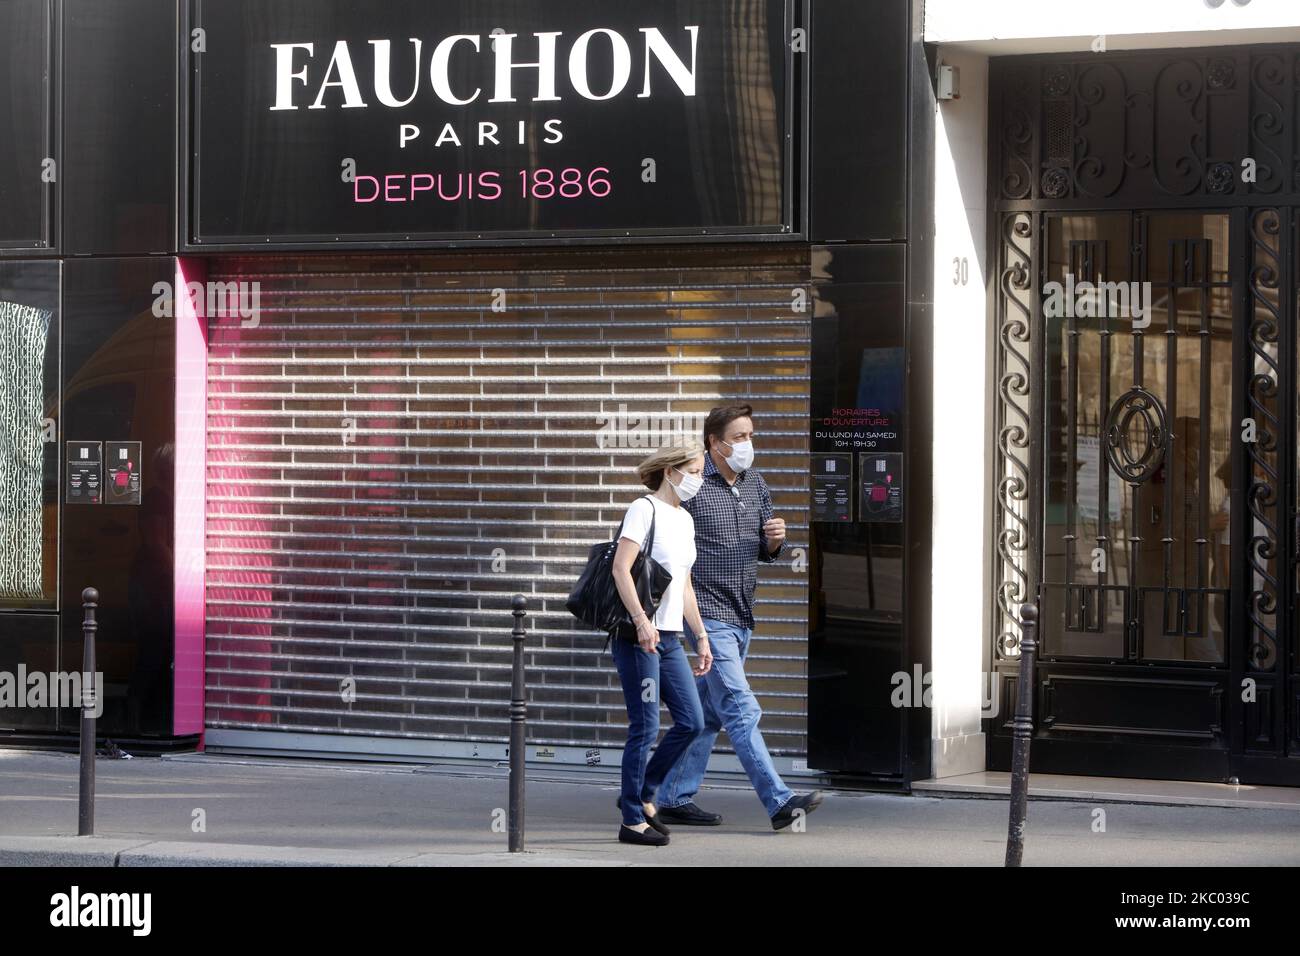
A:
x,y
960,602
1016,26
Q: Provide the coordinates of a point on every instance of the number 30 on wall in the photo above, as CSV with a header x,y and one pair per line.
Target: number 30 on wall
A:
x,y
960,270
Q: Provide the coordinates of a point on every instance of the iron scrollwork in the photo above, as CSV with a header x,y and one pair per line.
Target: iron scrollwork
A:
x,y
1056,183
1221,73
1017,137
1219,178
1015,313
1263,498
1128,125
1136,453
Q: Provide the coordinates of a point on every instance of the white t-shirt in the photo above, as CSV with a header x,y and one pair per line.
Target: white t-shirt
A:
x,y
674,548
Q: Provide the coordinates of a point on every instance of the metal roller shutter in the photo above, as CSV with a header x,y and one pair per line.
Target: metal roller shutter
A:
x,y
391,459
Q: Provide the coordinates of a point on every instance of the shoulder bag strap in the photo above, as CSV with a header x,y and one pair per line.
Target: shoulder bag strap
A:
x,y
650,538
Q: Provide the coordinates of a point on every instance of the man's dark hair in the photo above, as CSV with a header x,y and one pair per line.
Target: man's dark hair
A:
x,y
722,416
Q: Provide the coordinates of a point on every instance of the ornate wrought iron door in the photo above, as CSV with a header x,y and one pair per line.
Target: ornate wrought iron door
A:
x,y
1146,469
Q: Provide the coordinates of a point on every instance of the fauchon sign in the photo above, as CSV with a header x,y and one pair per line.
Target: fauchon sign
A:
x,y
325,121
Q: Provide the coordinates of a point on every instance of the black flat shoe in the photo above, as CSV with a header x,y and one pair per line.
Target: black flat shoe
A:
x,y
641,837
807,802
688,814
653,821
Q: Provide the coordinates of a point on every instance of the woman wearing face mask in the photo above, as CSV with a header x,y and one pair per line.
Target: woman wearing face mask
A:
x,y
656,665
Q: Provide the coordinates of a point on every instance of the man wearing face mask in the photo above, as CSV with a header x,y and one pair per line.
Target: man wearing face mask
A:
x,y
735,528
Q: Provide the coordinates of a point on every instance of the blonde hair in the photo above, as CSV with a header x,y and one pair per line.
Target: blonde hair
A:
x,y
651,471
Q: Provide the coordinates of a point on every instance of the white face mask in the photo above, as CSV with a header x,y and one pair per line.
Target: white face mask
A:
x,y
741,457
689,487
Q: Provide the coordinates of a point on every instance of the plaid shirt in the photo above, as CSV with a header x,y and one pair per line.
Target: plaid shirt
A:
x,y
729,543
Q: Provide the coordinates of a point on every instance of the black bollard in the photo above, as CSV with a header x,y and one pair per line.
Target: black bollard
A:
x,y
518,719
1023,729
86,804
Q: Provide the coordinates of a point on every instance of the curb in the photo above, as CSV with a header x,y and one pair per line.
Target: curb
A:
x,y
115,852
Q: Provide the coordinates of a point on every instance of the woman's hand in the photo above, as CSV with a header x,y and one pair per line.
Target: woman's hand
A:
x,y
647,635
704,654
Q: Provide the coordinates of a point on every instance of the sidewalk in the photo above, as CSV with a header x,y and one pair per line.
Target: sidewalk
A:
x,y
259,811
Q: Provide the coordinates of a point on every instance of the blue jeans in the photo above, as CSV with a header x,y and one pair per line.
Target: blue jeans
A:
x,y
728,703
643,677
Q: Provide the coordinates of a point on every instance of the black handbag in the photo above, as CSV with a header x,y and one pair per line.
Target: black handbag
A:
x,y
595,601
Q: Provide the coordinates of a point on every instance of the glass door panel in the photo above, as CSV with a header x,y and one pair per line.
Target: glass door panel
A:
x,y
1138,391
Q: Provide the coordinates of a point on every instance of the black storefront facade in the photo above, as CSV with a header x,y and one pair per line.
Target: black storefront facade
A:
x,y
360,315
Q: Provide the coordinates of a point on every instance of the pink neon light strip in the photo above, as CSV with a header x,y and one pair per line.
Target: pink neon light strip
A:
x,y
191,502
